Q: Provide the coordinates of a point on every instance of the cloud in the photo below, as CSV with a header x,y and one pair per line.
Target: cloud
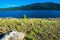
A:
x,y
11,5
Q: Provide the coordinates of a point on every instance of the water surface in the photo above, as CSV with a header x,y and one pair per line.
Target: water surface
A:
x,y
30,13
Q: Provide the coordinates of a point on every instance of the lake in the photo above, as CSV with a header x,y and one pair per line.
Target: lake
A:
x,y
30,13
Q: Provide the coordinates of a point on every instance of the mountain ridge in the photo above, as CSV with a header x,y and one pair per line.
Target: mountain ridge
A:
x,y
36,6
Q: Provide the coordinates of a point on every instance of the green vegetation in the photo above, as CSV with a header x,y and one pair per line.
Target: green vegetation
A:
x,y
35,29
36,6
24,17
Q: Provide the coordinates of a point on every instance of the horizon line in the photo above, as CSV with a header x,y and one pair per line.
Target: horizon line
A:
x,y
28,4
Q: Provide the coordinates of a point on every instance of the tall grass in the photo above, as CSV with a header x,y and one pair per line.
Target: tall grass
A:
x,y
35,29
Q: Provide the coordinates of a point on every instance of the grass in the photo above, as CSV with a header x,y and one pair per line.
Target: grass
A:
x,y
35,29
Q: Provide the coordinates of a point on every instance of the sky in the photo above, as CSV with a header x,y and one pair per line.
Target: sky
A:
x,y
15,3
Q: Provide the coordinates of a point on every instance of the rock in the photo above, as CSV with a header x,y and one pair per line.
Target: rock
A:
x,y
14,35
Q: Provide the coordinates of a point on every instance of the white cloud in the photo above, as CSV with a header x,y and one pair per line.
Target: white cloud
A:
x,y
11,5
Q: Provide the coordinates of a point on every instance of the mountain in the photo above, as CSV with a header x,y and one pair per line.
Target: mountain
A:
x,y
42,6
38,6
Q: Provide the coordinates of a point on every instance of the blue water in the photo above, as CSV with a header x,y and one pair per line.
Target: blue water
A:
x,y
30,13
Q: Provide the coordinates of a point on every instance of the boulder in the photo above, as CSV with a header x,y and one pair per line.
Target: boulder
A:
x,y
14,35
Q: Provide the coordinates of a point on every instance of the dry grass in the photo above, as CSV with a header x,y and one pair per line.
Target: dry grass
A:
x,y
35,29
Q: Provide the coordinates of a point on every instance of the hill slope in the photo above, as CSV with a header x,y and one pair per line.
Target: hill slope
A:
x,y
42,6
36,6
39,6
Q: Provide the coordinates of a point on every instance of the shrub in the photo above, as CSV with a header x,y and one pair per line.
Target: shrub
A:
x,y
24,17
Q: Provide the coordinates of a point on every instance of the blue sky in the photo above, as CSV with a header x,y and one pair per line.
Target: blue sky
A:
x,y
13,3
